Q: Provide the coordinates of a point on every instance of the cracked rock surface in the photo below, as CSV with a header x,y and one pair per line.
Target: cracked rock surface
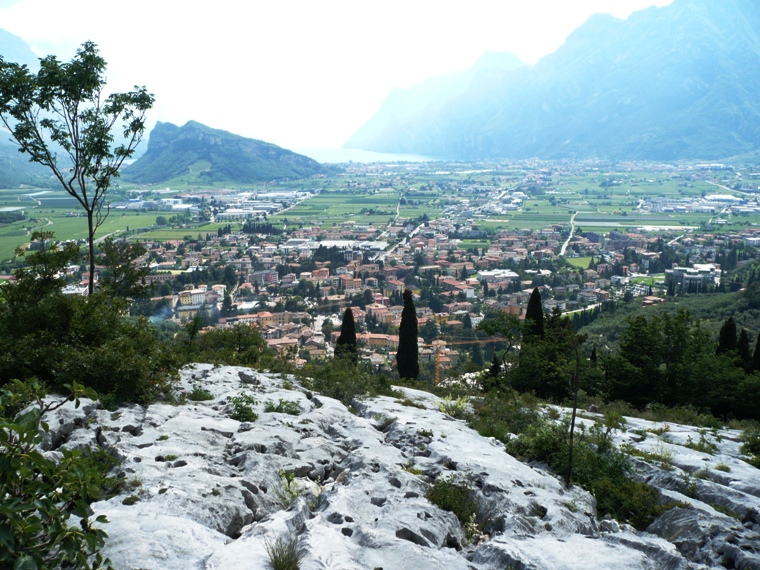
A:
x,y
206,491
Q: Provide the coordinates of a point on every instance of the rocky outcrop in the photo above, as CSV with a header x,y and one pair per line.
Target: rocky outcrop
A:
x,y
206,491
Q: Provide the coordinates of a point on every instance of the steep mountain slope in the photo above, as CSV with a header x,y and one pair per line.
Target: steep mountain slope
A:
x,y
197,153
15,168
13,48
682,81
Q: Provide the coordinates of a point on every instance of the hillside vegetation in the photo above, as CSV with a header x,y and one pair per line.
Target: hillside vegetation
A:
x,y
195,153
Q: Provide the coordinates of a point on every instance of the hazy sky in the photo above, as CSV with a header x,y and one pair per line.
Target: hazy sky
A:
x,y
298,73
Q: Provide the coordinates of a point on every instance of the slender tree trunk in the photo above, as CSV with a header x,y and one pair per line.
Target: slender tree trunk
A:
x,y
575,387
91,245
569,476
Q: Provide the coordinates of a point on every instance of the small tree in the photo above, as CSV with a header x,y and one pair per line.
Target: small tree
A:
x,y
345,347
756,355
534,315
124,278
727,337
63,106
407,357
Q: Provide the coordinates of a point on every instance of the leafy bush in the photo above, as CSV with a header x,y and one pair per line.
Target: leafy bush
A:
x,y
61,339
242,407
597,466
751,446
41,495
342,380
627,500
284,554
454,495
289,491
238,345
283,407
198,394
454,407
500,417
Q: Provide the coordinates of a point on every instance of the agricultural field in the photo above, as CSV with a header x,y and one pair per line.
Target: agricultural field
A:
x,y
56,211
602,200
335,206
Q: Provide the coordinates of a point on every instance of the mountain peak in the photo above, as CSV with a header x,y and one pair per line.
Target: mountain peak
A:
x,y
680,81
198,153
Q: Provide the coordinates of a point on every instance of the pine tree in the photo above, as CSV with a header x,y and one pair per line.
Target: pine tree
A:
x,y
345,347
407,357
535,314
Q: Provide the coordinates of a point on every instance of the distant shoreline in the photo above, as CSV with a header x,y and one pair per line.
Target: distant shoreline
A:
x,y
342,155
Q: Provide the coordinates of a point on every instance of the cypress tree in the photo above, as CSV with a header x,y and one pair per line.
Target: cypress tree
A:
x,y
727,337
345,347
756,355
407,357
495,368
535,314
742,348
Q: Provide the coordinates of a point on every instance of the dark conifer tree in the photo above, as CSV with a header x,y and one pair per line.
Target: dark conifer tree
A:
x,y
495,368
467,321
743,350
727,337
756,355
407,357
535,314
345,347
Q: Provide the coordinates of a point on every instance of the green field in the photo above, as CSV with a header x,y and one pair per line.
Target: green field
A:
x,y
605,199
581,262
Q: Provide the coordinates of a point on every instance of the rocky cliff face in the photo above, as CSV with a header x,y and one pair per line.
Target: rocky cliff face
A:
x,y
677,82
210,492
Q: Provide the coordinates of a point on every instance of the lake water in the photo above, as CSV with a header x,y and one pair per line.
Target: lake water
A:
x,y
341,155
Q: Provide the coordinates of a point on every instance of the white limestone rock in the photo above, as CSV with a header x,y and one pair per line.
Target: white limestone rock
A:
x,y
206,491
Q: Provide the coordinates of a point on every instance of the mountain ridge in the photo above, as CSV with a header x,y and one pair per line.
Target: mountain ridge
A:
x,y
198,153
675,82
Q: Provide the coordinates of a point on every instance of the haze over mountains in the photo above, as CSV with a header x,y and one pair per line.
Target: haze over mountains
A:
x,y
677,82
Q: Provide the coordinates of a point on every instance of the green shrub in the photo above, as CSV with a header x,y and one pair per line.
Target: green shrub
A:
x,y
64,339
454,407
751,446
242,407
290,489
454,495
238,345
283,407
704,445
500,417
198,394
40,495
342,380
384,421
597,467
627,500
284,554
